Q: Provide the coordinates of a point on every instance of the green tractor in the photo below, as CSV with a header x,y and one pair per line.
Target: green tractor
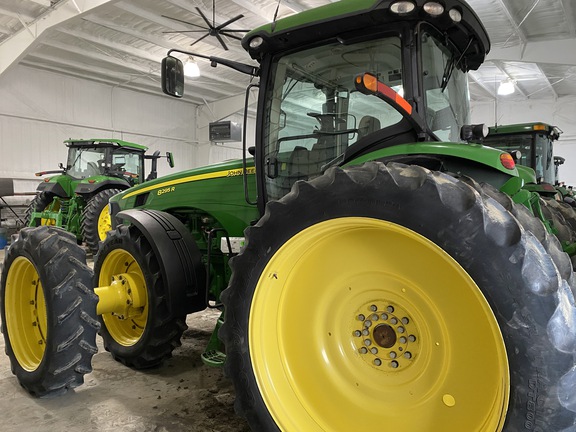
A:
x,y
77,198
374,270
533,143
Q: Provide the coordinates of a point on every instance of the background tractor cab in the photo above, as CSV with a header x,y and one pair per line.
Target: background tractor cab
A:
x,y
77,198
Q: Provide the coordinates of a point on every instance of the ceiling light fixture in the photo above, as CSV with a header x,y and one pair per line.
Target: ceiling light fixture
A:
x,y
506,87
191,68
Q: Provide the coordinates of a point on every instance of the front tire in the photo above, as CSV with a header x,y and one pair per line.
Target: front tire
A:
x,y
149,335
96,221
48,311
392,295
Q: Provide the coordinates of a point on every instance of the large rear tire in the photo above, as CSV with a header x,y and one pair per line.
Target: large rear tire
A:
x,y
392,296
149,335
39,203
96,221
48,311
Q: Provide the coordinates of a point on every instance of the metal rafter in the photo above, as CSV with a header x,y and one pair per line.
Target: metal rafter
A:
x,y
568,10
515,26
172,25
43,3
483,86
500,65
14,49
547,83
153,40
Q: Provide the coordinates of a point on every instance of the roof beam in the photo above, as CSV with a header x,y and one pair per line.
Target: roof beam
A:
x,y
174,26
559,52
483,86
14,49
17,15
156,41
500,66
515,26
44,3
568,12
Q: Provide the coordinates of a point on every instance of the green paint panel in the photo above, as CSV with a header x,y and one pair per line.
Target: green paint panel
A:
x,y
473,152
116,142
217,190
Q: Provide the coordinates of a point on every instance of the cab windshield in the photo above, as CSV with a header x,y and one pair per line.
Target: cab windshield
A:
x,y
445,89
314,112
536,149
86,162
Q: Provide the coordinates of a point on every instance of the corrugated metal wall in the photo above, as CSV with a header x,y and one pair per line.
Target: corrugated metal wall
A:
x,y
39,110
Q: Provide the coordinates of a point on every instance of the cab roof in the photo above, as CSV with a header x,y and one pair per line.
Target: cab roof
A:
x,y
107,142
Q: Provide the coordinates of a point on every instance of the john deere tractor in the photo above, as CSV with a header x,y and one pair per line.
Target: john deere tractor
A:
x,y
76,199
384,273
533,143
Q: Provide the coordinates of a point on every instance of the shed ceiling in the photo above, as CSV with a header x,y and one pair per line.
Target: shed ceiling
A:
x,y
121,42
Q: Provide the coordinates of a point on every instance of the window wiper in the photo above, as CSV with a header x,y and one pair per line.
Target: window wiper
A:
x,y
450,67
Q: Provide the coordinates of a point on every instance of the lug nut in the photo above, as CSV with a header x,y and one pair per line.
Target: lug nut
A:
x,y
361,317
384,316
392,354
374,317
367,323
357,333
374,350
367,342
390,309
394,364
363,350
412,338
377,362
400,329
373,308
408,355
405,320
402,339
394,320
365,332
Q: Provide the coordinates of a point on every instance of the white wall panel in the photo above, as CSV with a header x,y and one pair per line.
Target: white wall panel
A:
x,y
560,112
39,110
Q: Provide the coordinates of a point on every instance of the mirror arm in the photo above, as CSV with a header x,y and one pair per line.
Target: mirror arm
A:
x,y
214,61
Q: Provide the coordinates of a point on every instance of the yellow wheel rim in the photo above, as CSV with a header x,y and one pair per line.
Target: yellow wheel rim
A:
x,y
26,318
120,264
54,206
362,324
104,223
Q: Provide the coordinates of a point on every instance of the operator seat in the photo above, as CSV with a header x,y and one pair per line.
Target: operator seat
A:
x,y
367,125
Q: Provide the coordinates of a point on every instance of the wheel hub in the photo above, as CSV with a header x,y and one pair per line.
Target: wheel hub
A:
x,y
385,335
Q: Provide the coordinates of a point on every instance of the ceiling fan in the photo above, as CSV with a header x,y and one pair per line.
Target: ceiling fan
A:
x,y
212,29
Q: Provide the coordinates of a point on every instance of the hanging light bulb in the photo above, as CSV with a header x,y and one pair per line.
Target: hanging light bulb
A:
x,y
191,68
506,87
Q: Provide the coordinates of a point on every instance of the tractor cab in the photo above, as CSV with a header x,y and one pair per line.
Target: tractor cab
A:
x,y
534,141
112,158
351,78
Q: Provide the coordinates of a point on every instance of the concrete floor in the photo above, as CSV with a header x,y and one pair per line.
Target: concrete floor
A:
x,y
182,395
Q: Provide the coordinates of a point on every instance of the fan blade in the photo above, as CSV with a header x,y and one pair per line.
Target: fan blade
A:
x,y
230,21
230,35
186,31
185,22
198,40
204,18
221,41
236,31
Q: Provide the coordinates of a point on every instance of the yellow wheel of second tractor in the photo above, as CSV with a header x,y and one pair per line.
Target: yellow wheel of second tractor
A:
x,y
390,297
96,220
120,266
137,326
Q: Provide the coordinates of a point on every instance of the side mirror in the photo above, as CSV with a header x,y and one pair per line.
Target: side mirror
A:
x,y
172,76
170,158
